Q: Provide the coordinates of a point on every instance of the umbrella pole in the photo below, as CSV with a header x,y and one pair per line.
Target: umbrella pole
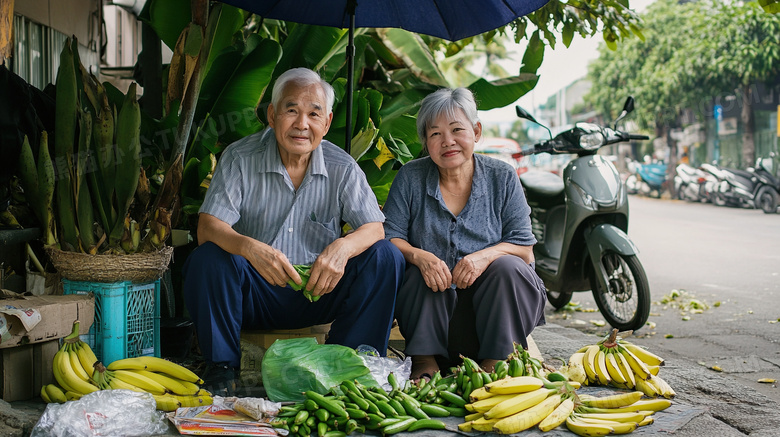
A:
x,y
350,72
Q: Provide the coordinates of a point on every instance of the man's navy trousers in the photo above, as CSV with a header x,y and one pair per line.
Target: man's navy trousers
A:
x,y
225,294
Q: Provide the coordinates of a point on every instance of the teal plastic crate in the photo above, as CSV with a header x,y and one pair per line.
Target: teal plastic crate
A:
x,y
127,318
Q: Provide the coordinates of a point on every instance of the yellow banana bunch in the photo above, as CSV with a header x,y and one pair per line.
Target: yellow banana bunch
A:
x,y
518,384
654,386
69,371
159,365
619,363
616,414
528,417
52,393
172,385
169,392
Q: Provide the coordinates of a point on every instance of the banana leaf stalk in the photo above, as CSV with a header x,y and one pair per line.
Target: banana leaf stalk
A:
x,y
66,105
101,176
128,162
84,212
46,184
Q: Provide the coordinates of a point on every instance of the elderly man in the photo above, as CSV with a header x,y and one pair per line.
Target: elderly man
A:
x,y
278,199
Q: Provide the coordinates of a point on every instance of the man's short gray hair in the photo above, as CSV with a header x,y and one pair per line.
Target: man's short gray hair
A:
x,y
445,101
302,77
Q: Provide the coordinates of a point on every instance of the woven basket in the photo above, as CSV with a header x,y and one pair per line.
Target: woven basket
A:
x,y
138,267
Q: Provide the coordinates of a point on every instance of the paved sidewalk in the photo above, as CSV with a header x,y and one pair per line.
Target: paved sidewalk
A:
x,y
708,404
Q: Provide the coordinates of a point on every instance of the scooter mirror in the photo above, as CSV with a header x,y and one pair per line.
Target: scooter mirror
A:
x,y
627,108
629,105
522,113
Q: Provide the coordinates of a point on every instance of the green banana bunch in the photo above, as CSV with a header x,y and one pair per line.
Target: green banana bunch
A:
x,y
352,407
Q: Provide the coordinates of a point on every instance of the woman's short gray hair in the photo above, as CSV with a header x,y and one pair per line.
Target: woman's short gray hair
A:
x,y
302,77
445,101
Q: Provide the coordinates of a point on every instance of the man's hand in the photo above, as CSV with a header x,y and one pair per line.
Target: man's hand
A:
x,y
328,268
434,271
468,269
272,264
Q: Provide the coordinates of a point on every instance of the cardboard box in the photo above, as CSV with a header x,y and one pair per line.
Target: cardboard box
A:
x,y
47,318
25,369
265,339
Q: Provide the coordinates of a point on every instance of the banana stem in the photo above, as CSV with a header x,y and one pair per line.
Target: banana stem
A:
x,y
36,262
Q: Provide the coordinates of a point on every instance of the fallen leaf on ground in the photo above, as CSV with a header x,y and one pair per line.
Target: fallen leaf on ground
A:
x,y
767,380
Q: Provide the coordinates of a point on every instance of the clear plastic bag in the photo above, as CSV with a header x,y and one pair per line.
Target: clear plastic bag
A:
x,y
103,413
381,367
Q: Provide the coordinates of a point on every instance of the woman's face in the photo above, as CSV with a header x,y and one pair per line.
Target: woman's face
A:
x,y
450,141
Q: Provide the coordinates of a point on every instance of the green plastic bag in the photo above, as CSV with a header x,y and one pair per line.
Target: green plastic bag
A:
x,y
291,367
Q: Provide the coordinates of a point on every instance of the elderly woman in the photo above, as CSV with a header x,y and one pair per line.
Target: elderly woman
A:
x,y
463,225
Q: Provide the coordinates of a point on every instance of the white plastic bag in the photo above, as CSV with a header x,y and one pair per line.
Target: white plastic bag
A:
x,y
103,413
381,367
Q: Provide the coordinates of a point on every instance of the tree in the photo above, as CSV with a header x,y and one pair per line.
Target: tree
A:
x,y
745,42
693,52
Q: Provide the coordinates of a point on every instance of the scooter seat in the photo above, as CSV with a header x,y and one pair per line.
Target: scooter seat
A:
x,y
542,183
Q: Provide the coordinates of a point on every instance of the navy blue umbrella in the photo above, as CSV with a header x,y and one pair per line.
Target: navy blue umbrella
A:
x,y
448,19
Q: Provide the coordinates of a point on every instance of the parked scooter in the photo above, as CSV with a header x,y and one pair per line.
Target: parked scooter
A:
x,y
693,184
646,179
756,187
767,195
580,224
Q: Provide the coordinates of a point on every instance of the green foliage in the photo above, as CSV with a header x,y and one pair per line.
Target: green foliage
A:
x,y
692,52
770,6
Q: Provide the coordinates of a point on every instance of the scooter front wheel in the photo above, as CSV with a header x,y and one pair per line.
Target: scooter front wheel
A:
x,y
767,199
626,304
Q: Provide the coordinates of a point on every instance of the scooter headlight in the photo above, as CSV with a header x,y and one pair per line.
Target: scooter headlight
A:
x,y
592,141
587,199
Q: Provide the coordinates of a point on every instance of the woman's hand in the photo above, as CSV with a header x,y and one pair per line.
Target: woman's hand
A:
x,y
434,271
469,268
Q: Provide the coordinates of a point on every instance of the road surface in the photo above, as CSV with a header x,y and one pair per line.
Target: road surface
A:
x,y
726,259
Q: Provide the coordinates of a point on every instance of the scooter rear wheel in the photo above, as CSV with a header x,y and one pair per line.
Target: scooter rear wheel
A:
x,y
626,304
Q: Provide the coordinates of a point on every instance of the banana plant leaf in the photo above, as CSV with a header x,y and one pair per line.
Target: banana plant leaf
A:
x,y
460,19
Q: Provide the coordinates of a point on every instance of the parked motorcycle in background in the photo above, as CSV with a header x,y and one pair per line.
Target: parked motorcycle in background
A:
x,y
693,184
769,190
581,221
647,178
756,187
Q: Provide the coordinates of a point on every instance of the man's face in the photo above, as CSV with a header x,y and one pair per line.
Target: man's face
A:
x,y
301,120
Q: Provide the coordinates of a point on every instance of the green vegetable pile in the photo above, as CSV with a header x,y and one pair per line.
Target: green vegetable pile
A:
x,y
304,272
